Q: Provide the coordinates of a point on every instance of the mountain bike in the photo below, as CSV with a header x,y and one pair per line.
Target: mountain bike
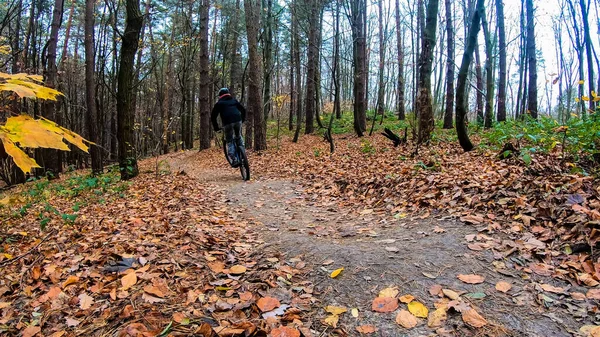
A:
x,y
241,154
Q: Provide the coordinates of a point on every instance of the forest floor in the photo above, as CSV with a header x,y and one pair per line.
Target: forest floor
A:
x,y
443,244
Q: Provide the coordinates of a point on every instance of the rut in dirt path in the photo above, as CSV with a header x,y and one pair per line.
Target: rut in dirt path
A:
x,y
378,252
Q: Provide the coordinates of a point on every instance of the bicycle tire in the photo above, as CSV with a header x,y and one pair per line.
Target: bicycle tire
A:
x,y
245,166
225,152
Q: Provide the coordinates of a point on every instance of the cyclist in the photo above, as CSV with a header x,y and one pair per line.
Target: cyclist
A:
x,y
233,114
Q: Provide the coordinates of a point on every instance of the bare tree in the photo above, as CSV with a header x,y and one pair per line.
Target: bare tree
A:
x,y
90,88
252,8
532,103
502,61
449,67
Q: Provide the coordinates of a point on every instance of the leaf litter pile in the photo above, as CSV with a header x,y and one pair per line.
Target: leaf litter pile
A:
x,y
164,258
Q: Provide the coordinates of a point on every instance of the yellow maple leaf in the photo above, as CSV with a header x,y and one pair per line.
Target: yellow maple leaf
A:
x,y
335,310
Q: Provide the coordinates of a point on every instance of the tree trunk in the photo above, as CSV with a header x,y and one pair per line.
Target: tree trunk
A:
x,y
254,74
309,103
337,108
461,82
267,58
52,159
381,88
205,80
425,107
236,60
502,62
449,67
489,82
479,83
90,89
587,39
125,110
400,46
358,16
532,104
296,57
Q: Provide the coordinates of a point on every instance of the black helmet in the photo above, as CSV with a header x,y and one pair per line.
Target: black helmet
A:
x,y
223,91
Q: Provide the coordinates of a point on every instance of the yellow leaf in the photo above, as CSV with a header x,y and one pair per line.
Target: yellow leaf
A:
x,y
436,318
406,319
389,292
585,98
335,310
406,298
354,312
332,320
21,159
128,280
418,309
29,132
576,100
72,279
581,82
8,256
336,272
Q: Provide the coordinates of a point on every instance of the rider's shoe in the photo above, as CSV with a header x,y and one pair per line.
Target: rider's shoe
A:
x,y
236,163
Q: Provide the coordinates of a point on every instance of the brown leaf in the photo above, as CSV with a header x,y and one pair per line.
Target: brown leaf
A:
x,y
152,290
587,279
592,294
237,269
71,322
503,286
128,281
435,290
451,294
437,317
473,318
85,301
552,289
31,331
406,319
541,269
72,279
284,331
406,298
366,329
267,303
384,304
471,278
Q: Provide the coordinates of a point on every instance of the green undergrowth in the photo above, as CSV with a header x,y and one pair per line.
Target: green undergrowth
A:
x,y
60,199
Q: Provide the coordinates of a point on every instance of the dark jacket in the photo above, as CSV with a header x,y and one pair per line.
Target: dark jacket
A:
x,y
230,110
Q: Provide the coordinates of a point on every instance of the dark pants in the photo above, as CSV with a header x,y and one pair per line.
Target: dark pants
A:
x,y
233,132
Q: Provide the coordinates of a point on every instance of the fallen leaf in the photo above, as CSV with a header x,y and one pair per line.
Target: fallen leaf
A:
x,y
284,331
128,281
327,262
237,269
552,289
418,309
71,322
332,320
406,298
392,249
336,272
590,330
384,304
436,318
31,331
366,329
438,230
152,290
354,312
587,279
451,294
473,318
389,292
267,303
406,319
471,278
335,310
435,290
503,286
5,305
85,301
592,294
72,279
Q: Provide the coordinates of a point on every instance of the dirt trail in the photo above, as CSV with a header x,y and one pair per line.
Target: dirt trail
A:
x,y
378,251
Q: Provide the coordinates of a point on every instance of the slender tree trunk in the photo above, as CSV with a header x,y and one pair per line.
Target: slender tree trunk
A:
x,y
400,46
587,39
52,159
426,119
296,57
336,65
489,82
254,74
205,80
502,61
381,88
90,89
461,82
309,103
293,89
479,83
267,58
64,54
318,67
532,104
125,111
449,67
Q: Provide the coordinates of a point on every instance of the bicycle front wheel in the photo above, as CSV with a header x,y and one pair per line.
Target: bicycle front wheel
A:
x,y
245,166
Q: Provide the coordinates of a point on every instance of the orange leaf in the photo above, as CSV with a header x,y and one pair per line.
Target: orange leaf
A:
x,y
267,303
471,278
503,286
237,269
384,304
406,298
284,331
128,280
473,318
31,331
366,329
406,319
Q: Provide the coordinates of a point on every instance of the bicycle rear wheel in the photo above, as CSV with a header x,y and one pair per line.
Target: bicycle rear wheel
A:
x,y
245,166
225,152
